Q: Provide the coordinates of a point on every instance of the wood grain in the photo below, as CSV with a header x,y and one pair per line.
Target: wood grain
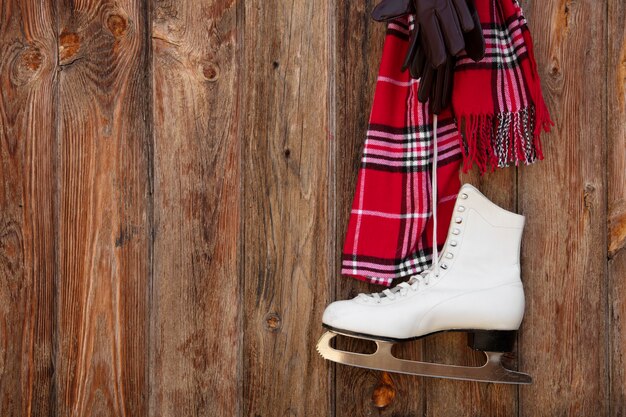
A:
x,y
176,180
563,198
287,237
27,229
104,224
196,301
616,151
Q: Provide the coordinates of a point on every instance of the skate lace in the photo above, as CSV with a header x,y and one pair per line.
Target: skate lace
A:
x,y
413,284
423,278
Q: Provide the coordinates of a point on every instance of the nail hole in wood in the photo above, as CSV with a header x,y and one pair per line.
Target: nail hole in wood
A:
x,y
211,72
273,322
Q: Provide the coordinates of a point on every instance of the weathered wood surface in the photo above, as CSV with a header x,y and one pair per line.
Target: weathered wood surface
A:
x,y
287,185
104,206
195,305
616,156
564,344
175,184
27,212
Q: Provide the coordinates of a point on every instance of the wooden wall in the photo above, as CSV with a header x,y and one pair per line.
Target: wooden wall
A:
x,y
175,183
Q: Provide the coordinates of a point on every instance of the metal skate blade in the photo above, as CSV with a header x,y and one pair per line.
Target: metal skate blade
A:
x,y
383,360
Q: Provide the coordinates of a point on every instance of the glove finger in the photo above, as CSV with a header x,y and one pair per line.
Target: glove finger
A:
x,y
419,63
413,48
426,84
448,82
464,13
391,9
451,28
436,95
433,41
474,39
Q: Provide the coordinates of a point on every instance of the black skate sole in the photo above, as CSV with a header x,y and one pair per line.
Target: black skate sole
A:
x,y
477,339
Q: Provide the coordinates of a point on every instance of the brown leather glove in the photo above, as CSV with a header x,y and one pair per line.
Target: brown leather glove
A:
x,y
443,23
457,32
392,9
474,39
435,83
436,80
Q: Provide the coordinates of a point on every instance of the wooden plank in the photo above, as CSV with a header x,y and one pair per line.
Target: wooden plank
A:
x,y
358,46
104,220
457,398
27,230
195,321
616,150
287,236
564,200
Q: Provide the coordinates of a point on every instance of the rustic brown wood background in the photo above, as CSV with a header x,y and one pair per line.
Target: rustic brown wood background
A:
x,y
175,182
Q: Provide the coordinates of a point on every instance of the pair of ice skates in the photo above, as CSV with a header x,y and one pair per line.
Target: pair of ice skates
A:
x,y
474,287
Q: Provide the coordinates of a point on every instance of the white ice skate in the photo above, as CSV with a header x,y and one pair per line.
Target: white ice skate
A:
x,y
473,287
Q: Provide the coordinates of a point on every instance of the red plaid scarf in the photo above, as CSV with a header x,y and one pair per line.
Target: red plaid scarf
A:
x,y
498,101
390,229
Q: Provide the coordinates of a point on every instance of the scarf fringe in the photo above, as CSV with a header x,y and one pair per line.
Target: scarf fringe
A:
x,y
508,134
500,140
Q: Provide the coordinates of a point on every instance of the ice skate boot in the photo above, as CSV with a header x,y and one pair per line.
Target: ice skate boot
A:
x,y
474,287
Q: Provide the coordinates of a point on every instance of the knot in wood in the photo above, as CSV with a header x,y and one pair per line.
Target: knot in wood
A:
x,y
26,65
117,24
554,67
69,45
384,393
211,72
273,323
11,257
588,195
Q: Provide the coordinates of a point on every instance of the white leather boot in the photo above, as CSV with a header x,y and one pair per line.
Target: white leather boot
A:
x,y
476,286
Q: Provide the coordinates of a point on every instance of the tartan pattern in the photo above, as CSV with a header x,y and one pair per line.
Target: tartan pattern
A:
x,y
504,42
497,105
498,101
390,230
